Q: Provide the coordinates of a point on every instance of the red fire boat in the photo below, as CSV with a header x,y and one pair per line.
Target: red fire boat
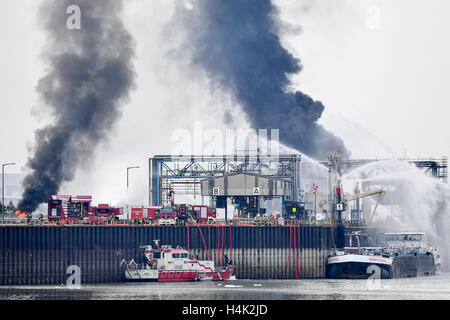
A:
x,y
173,264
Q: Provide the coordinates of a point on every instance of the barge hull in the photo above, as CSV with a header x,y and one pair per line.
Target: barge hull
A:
x,y
407,266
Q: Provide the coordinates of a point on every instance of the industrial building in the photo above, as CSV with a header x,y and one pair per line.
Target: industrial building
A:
x,y
250,183
250,194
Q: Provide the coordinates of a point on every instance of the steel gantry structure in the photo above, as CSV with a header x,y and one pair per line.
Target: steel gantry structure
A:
x,y
436,167
183,174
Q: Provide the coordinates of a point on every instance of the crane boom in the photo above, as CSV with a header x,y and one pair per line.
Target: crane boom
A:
x,y
380,193
337,199
363,195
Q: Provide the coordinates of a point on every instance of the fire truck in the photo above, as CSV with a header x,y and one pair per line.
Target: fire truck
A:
x,y
203,214
102,214
69,209
104,210
145,215
168,216
199,213
172,215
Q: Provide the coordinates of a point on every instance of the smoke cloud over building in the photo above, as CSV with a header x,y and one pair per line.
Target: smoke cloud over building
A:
x,y
237,45
89,76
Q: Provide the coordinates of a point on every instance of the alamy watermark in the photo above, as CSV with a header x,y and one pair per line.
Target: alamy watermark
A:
x,y
373,17
374,282
235,143
74,280
73,22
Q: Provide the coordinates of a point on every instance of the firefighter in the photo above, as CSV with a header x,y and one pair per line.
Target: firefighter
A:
x,y
227,261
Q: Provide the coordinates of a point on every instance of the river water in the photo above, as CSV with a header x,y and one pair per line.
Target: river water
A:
x,y
433,287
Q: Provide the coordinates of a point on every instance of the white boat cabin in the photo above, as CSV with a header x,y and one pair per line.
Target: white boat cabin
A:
x,y
167,258
410,239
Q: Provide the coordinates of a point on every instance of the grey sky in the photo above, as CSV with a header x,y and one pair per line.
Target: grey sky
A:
x,y
390,82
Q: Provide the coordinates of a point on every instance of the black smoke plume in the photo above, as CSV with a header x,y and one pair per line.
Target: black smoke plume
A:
x,y
237,45
89,75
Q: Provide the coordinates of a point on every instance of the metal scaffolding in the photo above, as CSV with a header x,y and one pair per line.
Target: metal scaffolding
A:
x,y
432,166
183,174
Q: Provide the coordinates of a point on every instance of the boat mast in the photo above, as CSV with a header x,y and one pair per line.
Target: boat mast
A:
x,y
336,198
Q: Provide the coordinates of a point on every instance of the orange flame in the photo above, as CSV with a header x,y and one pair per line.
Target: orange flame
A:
x,y
20,214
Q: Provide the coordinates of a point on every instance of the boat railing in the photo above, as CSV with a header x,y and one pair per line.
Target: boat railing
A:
x,y
132,265
373,251
406,250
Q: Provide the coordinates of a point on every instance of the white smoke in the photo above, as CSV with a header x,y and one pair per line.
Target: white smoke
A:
x,y
423,201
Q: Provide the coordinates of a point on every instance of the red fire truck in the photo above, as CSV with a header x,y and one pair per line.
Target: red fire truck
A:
x,y
185,212
104,210
69,209
170,215
145,215
166,215
102,214
203,214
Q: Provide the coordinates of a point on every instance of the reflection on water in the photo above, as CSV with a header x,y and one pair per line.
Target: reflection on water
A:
x,y
435,287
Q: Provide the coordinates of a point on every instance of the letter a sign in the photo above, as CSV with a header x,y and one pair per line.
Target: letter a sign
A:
x,y
256,191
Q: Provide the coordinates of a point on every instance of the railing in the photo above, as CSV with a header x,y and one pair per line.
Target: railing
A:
x,y
181,223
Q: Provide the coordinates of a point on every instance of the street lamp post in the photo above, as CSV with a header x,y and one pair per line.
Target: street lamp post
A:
x,y
128,170
3,184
